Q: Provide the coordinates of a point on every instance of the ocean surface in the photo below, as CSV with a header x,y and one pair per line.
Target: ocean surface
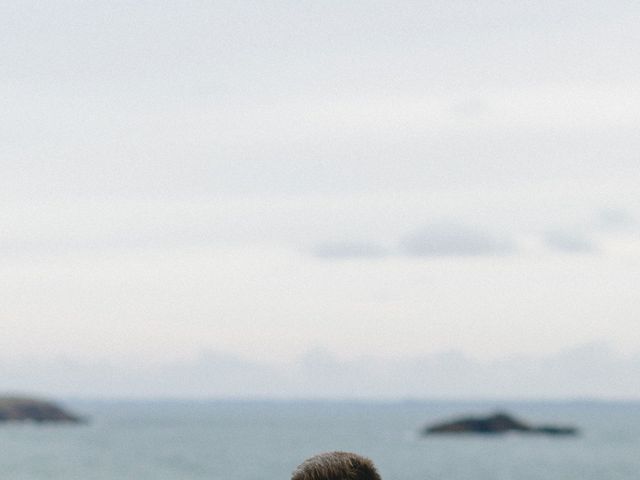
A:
x,y
251,440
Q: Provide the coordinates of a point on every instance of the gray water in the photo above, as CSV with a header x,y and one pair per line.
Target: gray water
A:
x,y
266,440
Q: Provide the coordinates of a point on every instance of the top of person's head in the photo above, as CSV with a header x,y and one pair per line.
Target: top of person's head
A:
x,y
336,466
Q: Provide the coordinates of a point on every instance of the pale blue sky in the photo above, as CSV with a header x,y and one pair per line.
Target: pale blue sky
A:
x,y
266,179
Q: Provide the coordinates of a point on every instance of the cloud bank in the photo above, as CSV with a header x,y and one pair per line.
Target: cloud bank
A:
x,y
587,371
454,240
345,250
567,241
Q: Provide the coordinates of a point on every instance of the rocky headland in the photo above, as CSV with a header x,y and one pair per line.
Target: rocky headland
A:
x,y
495,424
27,409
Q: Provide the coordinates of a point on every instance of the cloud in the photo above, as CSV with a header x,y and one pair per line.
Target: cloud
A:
x,y
447,239
211,374
470,108
569,241
615,218
435,240
589,370
346,250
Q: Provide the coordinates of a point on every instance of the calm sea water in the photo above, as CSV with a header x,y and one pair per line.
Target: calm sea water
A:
x,y
266,440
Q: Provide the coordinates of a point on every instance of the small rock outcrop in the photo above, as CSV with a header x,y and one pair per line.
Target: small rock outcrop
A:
x,y
494,424
16,409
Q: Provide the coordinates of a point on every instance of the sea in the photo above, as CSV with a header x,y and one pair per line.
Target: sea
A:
x,y
266,440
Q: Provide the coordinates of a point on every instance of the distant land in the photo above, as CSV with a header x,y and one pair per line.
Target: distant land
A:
x,y
497,423
25,409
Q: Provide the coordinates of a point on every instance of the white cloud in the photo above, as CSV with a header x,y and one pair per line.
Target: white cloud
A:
x,y
175,177
585,371
455,240
569,241
345,250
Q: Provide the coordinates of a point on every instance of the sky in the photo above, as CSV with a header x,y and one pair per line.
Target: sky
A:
x,y
320,199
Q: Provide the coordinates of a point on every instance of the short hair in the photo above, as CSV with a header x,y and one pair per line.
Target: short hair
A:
x,y
336,466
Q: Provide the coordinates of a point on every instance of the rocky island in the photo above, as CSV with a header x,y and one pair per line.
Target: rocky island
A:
x,y
24,409
495,424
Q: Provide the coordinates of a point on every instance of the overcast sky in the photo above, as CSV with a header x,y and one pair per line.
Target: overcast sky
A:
x,y
270,180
